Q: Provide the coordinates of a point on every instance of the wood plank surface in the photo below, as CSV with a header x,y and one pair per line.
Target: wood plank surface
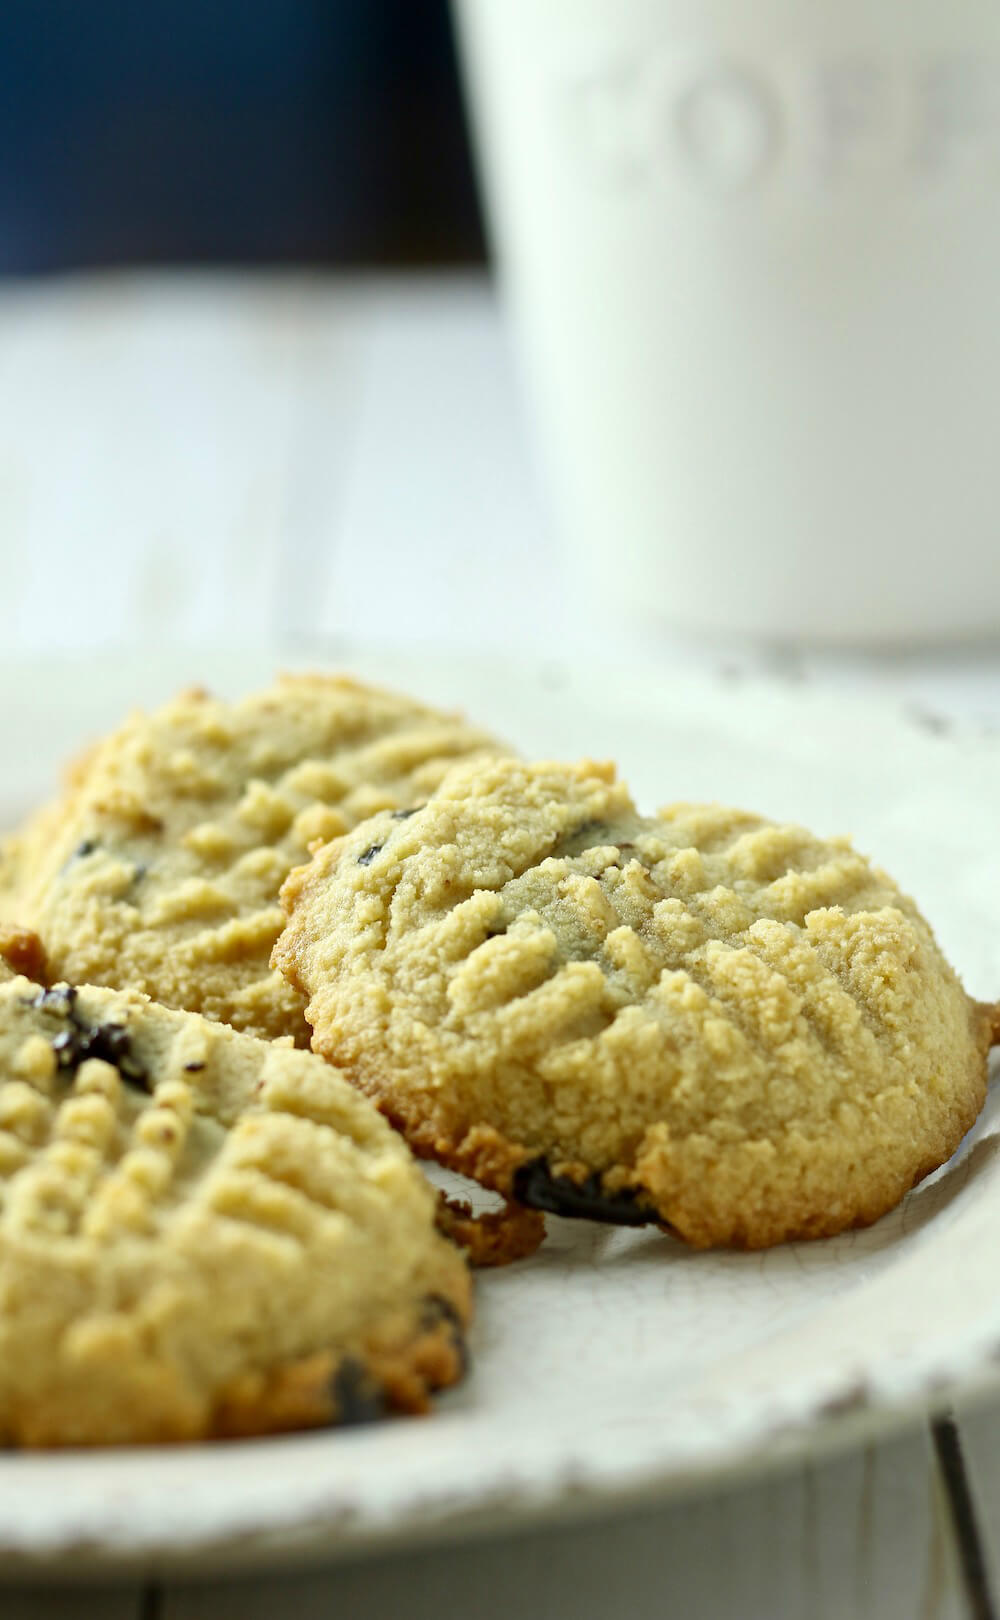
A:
x,y
862,1537
979,1440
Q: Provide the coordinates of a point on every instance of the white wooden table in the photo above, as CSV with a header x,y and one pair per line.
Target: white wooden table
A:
x,y
313,464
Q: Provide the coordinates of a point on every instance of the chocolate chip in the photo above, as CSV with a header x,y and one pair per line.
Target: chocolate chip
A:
x,y
65,1046
575,839
536,1186
89,846
368,855
356,1397
109,1042
193,1068
436,1310
59,1000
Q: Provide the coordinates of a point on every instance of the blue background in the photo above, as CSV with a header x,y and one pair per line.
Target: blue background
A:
x,y
204,130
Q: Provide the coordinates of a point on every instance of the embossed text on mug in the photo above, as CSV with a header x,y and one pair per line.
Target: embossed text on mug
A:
x,y
724,123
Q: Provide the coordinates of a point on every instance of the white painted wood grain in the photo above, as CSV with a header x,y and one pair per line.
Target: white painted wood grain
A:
x,y
980,1434
145,438
861,1538
193,456
443,538
311,461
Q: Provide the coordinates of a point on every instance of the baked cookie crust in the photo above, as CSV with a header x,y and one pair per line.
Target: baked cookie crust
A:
x,y
159,868
203,1235
701,1018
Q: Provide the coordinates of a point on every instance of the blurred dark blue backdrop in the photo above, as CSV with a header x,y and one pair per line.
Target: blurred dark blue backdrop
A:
x,y
264,130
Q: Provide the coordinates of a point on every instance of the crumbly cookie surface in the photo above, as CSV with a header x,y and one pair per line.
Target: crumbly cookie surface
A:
x,y
159,869
202,1234
732,1027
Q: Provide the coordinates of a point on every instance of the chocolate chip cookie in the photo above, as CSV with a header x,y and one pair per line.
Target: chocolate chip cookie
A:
x,y
159,869
202,1234
730,1027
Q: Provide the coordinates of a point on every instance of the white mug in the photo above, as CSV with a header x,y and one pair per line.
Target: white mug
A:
x,y
752,249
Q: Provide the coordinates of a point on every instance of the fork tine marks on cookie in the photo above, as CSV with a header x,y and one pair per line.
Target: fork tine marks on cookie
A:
x,y
175,1256
752,1024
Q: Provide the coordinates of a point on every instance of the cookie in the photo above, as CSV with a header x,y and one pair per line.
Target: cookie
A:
x,y
202,1234
701,1018
21,952
160,868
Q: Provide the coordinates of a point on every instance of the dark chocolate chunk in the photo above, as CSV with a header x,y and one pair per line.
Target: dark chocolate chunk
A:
x,y
437,1309
577,839
109,1042
87,847
586,828
368,855
65,1045
193,1068
59,1000
356,1397
535,1186
79,1040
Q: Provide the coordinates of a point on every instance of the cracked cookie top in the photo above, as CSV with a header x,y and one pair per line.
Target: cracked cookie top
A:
x,y
702,1018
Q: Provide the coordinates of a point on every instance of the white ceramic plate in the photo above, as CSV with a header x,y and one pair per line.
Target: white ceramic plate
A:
x,y
616,1364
